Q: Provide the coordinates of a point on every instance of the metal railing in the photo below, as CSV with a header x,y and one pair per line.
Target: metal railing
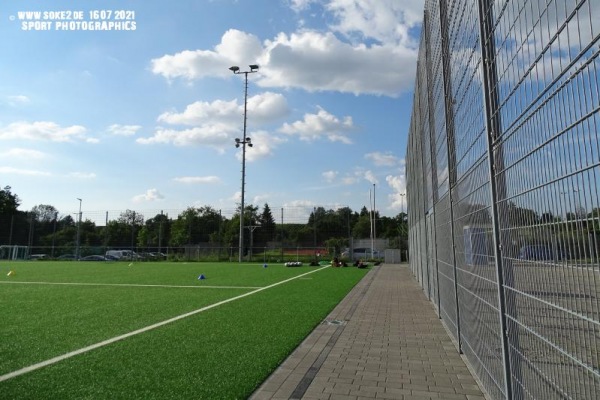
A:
x,y
503,182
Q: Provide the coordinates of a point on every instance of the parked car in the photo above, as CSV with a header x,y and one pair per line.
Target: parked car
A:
x,y
361,253
122,255
95,257
536,252
38,257
159,256
67,257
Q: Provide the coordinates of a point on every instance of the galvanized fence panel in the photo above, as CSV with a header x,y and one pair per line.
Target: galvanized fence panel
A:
x,y
505,142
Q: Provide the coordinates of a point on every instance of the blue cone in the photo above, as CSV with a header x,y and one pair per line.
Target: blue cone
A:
x,y
201,277
265,265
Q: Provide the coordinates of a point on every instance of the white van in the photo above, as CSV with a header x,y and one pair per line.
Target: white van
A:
x,y
361,253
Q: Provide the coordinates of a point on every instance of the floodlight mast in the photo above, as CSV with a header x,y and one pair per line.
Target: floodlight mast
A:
x,y
78,248
243,142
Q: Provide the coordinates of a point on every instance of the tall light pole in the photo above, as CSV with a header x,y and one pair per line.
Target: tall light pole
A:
x,y
372,219
401,228
374,223
243,142
78,253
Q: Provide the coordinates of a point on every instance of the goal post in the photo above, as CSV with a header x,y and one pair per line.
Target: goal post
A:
x,y
13,252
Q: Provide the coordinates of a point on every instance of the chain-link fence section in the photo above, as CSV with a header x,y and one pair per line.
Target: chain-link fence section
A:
x,y
503,167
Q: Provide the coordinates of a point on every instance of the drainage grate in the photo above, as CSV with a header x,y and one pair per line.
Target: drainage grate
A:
x,y
334,322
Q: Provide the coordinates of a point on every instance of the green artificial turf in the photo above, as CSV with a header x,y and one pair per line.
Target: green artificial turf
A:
x,y
158,273
223,353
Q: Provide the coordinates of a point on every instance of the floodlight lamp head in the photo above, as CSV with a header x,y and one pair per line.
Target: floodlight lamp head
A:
x,y
249,144
248,139
253,67
234,69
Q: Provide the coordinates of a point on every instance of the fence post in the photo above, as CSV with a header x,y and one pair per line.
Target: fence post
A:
x,y
434,180
450,149
422,225
504,267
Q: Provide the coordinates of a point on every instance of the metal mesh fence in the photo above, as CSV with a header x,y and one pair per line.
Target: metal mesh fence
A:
x,y
197,234
503,167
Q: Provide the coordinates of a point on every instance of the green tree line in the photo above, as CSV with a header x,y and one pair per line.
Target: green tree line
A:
x,y
44,227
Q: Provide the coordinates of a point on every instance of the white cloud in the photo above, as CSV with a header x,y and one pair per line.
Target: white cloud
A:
x,y
42,130
266,107
359,175
236,48
316,61
150,195
397,198
261,199
19,153
309,60
263,145
217,123
17,100
382,159
299,5
197,179
350,180
217,136
298,211
123,130
300,203
82,175
263,108
27,172
320,125
387,21
202,112
370,176
329,176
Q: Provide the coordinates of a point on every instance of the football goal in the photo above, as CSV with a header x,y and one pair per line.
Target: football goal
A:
x,y
13,252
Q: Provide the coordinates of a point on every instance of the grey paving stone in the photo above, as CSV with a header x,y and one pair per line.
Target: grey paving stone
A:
x,y
393,346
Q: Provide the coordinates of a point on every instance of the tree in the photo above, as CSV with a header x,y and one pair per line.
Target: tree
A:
x,y
131,217
44,213
122,232
9,202
548,217
231,228
267,227
326,224
43,223
362,227
347,218
594,217
156,232
335,245
196,225
10,231
520,216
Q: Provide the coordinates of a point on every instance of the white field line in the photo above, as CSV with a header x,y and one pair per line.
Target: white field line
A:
x,y
130,285
57,359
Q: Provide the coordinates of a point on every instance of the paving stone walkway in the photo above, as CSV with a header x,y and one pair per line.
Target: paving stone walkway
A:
x,y
383,341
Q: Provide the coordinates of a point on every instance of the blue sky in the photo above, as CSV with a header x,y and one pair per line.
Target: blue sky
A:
x,y
146,119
